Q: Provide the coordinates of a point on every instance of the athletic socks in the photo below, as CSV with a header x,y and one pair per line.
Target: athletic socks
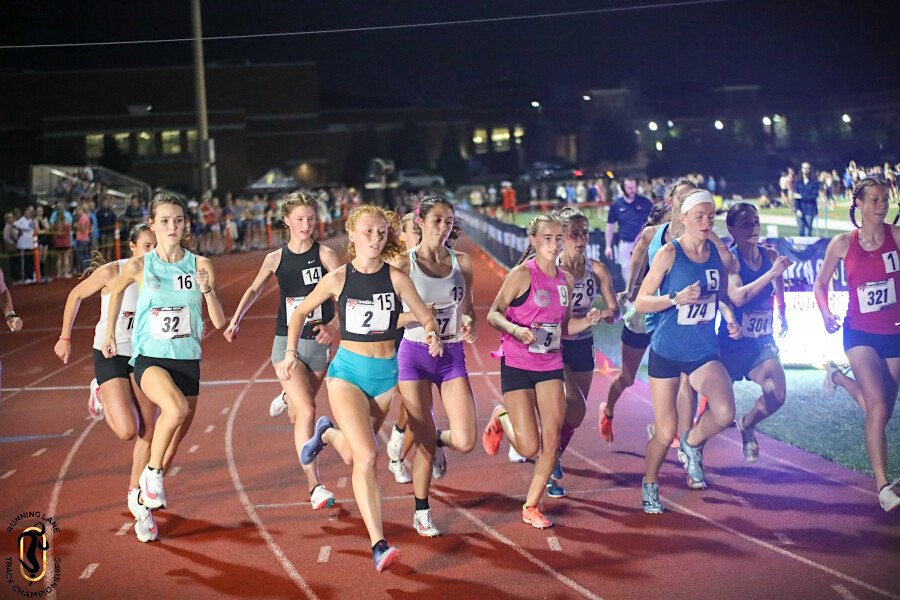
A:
x,y
438,441
380,546
422,504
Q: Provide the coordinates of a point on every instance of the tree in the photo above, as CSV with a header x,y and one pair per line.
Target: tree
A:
x,y
113,157
451,164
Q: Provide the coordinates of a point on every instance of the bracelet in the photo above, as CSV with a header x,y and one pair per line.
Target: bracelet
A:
x,y
11,315
65,339
292,351
514,331
207,291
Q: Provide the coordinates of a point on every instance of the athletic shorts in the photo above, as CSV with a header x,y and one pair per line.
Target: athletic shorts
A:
x,y
661,367
739,359
635,340
185,374
116,367
415,364
374,376
512,378
578,355
310,352
887,345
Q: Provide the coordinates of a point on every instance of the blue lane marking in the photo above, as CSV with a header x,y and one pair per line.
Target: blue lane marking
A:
x,y
28,438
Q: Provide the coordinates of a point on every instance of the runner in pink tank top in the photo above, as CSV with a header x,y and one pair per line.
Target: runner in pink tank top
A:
x,y
872,325
532,310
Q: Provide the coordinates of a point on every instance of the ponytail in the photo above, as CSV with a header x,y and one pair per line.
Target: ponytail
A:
x,y
532,230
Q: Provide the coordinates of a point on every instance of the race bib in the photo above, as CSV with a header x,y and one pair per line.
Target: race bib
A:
x,y
583,297
876,295
547,336
756,324
170,322
368,317
448,322
312,275
183,281
291,304
702,311
124,325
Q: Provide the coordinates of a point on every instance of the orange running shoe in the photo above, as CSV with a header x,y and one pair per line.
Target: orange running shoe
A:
x,y
606,430
493,433
532,516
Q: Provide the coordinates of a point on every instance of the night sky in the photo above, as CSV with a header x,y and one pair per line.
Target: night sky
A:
x,y
789,47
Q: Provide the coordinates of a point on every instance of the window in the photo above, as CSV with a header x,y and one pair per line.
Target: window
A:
x,y
146,144
500,139
171,142
93,145
519,133
192,141
123,141
479,139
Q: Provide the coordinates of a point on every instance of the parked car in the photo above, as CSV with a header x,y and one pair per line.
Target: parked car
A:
x,y
416,178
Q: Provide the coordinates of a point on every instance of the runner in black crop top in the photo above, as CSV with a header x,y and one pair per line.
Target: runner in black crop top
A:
x,y
368,306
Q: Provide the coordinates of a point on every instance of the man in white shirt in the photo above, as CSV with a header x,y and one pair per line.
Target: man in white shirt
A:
x,y
25,244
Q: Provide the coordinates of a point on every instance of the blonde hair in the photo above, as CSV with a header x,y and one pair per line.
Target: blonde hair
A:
x,y
408,218
392,246
295,199
532,230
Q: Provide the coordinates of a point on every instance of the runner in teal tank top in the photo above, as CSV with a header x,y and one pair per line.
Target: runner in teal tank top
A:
x,y
173,284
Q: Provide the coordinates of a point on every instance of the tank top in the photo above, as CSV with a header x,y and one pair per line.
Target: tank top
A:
x,y
873,279
583,293
446,293
168,321
756,316
687,332
297,275
543,311
124,321
368,306
658,241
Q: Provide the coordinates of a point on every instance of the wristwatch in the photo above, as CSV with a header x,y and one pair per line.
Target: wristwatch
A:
x,y
672,297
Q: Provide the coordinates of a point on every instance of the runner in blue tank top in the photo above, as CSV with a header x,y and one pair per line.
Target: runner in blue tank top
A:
x,y
168,327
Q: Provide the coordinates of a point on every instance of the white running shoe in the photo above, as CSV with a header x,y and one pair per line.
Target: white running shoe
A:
x,y
828,385
395,444
152,493
423,525
278,405
145,525
515,457
321,498
401,473
439,465
134,506
95,407
888,498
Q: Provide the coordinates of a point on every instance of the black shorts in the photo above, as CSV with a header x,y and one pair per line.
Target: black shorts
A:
x,y
661,367
512,379
578,355
116,367
887,345
185,374
635,340
739,359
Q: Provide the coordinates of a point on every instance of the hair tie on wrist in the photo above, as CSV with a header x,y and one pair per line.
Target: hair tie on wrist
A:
x,y
62,338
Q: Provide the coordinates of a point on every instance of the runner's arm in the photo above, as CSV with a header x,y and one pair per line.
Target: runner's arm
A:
x,y
206,278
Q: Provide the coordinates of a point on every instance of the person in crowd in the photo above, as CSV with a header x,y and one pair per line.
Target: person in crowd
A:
x,y
628,212
806,196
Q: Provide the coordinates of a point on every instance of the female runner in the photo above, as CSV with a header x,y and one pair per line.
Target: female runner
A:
x,y
532,309
168,327
114,394
13,321
362,377
298,266
872,325
591,279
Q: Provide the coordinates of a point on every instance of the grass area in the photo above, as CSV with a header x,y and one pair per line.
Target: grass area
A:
x,y
830,426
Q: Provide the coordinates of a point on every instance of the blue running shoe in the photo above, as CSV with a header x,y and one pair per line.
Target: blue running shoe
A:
x,y
650,498
693,464
554,490
315,444
384,556
557,473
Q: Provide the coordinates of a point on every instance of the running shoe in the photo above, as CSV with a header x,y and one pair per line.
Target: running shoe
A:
x,y
384,556
134,505
650,498
651,431
395,444
515,457
605,427
95,407
315,444
554,490
828,385
423,525
557,473
278,405
153,495
401,473
888,498
145,525
532,516
693,464
439,465
748,438
493,433
321,498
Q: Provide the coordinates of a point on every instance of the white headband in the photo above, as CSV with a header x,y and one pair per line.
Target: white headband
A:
x,y
694,198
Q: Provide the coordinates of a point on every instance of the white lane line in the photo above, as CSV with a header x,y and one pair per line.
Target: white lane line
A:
x,y
39,452
276,550
8,474
193,448
342,482
569,583
554,544
843,592
785,540
125,528
336,501
324,554
7,396
68,432
209,428
225,410
88,571
174,471
749,538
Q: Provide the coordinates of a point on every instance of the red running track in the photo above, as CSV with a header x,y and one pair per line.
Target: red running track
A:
x,y
239,525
